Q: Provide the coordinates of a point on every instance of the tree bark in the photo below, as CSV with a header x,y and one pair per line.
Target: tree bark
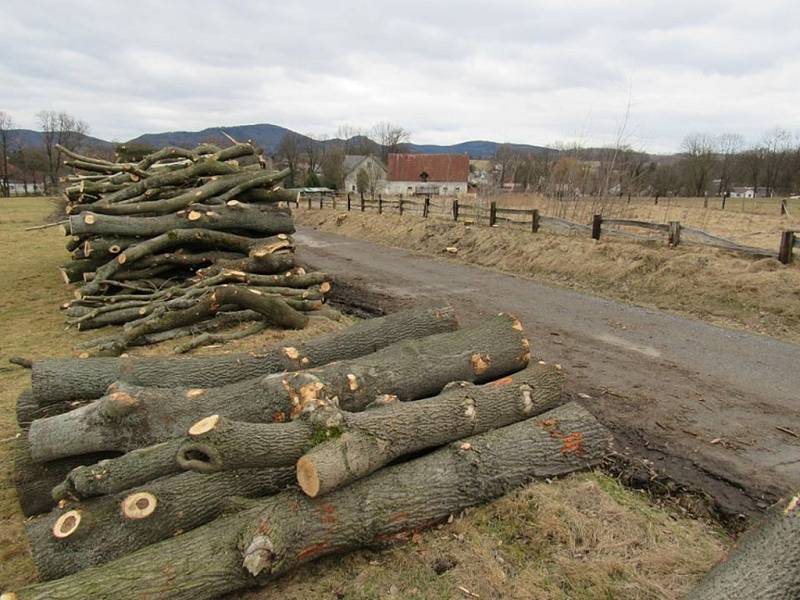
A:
x,y
258,221
278,534
132,417
59,380
366,443
116,525
341,446
763,564
120,473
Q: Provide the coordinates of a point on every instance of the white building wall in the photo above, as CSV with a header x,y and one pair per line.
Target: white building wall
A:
x,y
443,188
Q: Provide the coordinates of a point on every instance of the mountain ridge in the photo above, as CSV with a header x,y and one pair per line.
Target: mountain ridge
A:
x,y
268,137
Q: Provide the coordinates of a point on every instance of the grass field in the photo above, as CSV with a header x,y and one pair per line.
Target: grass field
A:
x,y
749,221
581,537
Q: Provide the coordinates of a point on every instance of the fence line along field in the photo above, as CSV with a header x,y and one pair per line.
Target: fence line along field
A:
x,y
729,288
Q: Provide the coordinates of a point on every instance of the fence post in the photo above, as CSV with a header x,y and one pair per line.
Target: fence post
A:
x,y
321,199
597,224
334,202
400,204
455,210
492,214
426,207
535,220
362,201
309,203
783,206
787,245
674,233
724,197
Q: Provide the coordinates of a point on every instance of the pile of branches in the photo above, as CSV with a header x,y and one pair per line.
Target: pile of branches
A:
x,y
183,242
223,472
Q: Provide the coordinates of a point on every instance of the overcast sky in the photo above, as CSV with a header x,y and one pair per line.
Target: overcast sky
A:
x,y
521,71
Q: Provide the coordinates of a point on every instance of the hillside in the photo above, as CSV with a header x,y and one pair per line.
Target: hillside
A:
x,y
27,138
477,149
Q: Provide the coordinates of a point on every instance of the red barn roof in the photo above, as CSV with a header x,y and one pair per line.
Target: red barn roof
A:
x,y
438,167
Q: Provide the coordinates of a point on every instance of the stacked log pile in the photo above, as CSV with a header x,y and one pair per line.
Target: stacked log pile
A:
x,y
183,241
231,470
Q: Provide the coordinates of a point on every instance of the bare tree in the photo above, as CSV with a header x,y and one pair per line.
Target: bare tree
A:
x,y
314,150
391,137
59,128
777,146
290,151
6,125
698,160
728,146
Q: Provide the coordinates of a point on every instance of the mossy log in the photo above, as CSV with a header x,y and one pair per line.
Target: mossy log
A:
x,y
133,417
764,562
59,380
77,535
255,220
340,447
278,534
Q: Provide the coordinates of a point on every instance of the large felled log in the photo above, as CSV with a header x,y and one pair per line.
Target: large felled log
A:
x,y
34,481
280,533
77,535
764,562
361,443
259,221
58,380
133,417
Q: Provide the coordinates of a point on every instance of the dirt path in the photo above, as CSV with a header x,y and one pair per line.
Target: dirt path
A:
x,y
703,403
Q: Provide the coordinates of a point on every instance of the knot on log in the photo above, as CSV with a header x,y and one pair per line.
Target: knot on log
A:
x,y
258,555
306,393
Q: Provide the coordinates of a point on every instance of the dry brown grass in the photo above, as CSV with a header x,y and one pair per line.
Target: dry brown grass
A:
x,y
762,296
748,221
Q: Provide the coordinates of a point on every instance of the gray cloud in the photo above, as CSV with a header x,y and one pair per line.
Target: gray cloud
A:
x,y
529,71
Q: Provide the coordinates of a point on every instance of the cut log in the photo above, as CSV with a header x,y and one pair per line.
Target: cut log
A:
x,y
132,417
360,443
260,221
278,534
113,526
121,473
763,563
34,481
59,380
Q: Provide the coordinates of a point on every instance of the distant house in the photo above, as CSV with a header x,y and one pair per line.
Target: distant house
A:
x,y
747,192
428,174
371,166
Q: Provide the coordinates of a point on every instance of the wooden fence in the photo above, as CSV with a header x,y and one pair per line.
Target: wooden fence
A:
x,y
478,213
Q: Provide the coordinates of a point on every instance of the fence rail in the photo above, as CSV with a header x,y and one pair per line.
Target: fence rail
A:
x,y
531,219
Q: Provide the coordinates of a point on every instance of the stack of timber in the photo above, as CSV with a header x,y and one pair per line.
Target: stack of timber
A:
x,y
222,473
183,242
